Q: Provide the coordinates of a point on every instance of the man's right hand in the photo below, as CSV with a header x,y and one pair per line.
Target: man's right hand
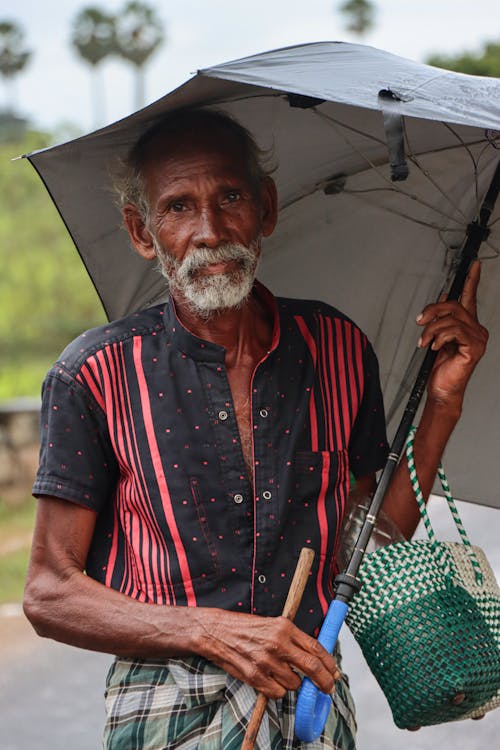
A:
x,y
265,652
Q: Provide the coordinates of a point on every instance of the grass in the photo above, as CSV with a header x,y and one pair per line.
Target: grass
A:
x,y
16,525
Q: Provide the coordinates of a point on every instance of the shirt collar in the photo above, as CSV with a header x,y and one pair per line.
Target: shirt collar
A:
x,y
206,351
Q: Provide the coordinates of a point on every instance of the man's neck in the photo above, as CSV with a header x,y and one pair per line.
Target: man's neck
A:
x,y
244,331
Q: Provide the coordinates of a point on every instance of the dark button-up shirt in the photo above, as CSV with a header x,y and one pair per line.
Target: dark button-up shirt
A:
x,y
138,425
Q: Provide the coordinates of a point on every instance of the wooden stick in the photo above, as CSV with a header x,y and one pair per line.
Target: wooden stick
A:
x,y
292,603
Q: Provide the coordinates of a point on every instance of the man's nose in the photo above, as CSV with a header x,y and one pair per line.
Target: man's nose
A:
x,y
210,228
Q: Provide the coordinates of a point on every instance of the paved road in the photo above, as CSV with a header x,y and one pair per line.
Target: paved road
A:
x,y
51,694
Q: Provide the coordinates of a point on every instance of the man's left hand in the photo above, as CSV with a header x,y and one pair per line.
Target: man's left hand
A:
x,y
452,328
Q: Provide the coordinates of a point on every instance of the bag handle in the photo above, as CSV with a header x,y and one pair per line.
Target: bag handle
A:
x,y
451,505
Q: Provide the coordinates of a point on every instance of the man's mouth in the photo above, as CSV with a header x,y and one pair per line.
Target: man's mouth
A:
x,y
219,267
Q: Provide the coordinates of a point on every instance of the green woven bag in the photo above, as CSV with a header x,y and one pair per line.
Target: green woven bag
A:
x,y
428,622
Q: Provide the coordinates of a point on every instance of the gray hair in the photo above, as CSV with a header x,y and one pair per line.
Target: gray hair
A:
x,y
127,174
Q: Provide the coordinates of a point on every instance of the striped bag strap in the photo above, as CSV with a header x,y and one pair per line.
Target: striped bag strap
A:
x,y
451,505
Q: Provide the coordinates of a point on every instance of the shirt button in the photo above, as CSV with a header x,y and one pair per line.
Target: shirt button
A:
x,y
238,498
261,578
223,415
266,495
263,413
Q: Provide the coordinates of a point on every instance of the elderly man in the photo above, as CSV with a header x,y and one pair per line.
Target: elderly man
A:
x,y
189,451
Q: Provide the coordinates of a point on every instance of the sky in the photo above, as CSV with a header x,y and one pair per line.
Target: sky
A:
x,y
55,89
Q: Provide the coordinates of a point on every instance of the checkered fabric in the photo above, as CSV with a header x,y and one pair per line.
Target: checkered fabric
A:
x,y
190,703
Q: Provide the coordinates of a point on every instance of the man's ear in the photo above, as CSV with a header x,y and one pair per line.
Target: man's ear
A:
x,y
139,233
269,202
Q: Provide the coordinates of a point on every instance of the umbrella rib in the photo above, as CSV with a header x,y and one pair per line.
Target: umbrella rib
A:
x,y
428,224
412,197
471,155
333,121
379,171
496,251
414,159
381,141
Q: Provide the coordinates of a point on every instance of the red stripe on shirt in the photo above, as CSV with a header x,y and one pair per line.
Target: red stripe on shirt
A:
x,y
352,374
311,344
326,386
323,526
160,476
140,537
345,409
158,545
85,377
108,376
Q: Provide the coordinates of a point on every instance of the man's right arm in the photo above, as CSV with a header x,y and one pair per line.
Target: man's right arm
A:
x,y
63,603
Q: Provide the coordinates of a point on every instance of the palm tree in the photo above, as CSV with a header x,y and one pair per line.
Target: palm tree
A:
x,y
13,54
94,39
360,15
139,33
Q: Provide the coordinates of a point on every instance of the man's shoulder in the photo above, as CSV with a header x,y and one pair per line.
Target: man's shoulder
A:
x,y
311,310
90,342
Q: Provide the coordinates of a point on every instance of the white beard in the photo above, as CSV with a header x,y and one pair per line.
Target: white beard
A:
x,y
211,292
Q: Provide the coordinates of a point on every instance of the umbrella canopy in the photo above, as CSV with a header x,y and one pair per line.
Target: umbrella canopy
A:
x,y
381,164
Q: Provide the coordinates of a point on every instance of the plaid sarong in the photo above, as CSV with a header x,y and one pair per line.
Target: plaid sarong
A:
x,y
190,703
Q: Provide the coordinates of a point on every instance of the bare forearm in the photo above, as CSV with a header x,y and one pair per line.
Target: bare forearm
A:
x,y
81,612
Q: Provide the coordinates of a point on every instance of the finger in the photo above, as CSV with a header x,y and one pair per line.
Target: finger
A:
x,y
443,309
318,665
466,305
286,676
469,294
451,336
448,326
465,335
253,674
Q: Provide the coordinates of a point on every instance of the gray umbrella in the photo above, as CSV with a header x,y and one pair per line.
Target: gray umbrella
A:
x,y
382,163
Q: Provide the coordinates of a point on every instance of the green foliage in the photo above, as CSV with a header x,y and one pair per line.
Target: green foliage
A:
x,y
46,297
484,63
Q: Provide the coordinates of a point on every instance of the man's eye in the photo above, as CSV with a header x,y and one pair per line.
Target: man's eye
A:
x,y
176,206
232,196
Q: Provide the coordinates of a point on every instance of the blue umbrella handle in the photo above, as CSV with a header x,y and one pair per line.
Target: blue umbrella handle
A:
x,y
313,706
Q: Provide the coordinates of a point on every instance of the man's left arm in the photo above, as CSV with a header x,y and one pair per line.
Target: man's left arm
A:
x,y
453,330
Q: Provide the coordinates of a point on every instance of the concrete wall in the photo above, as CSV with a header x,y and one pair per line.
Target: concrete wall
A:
x,y
19,445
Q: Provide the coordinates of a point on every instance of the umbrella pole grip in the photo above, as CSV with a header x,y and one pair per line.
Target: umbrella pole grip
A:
x,y
313,706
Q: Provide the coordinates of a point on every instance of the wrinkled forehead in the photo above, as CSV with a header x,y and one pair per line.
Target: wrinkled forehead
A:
x,y
216,145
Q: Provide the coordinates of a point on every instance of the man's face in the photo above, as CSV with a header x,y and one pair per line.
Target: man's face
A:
x,y
206,218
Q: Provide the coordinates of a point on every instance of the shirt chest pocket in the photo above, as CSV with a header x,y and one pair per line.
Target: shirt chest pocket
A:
x,y
320,485
318,474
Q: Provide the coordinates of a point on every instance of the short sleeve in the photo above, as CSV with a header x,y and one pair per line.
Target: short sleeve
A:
x,y
368,447
77,462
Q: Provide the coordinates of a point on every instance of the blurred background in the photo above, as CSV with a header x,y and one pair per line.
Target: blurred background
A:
x,y
68,68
